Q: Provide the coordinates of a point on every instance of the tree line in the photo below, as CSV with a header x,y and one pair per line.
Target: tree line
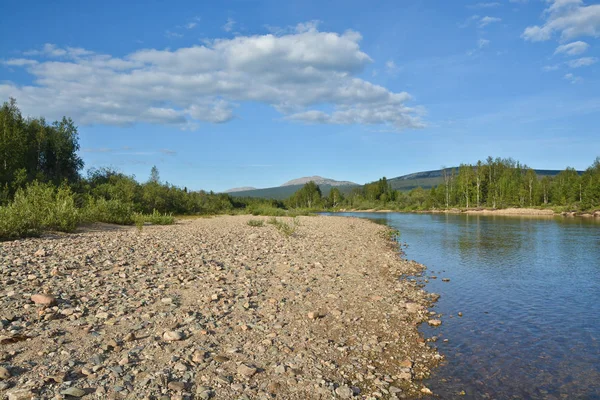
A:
x,y
493,183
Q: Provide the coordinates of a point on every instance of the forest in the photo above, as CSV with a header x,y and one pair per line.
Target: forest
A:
x,y
493,183
42,187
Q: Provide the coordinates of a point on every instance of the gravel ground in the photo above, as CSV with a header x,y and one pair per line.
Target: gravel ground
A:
x,y
212,308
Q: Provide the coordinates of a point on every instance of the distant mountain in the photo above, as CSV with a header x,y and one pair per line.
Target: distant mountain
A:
x,y
240,189
319,181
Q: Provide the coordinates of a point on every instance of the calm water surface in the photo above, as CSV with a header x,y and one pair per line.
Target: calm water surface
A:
x,y
529,291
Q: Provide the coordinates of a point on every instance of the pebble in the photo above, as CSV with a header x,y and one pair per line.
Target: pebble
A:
x,y
434,322
20,394
43,299
172,336
74,392
245,370
344,392
4,373
176,386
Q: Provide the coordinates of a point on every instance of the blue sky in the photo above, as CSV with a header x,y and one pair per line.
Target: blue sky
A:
x,y
255,93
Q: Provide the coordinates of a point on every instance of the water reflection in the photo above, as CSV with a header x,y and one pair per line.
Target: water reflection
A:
x,y
529,291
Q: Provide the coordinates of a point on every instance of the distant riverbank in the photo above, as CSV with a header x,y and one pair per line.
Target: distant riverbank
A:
x,y
502,211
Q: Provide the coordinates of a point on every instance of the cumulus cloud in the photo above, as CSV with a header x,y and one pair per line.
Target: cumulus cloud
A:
x,y
299,73
485,5
582,62
569,19
572,49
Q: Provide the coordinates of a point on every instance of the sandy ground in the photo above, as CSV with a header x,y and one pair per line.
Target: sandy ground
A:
x,y
213,308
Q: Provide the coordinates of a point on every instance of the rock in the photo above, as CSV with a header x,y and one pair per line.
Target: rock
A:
x,y
280,369
344,392
74,392
40,253
130,337
20,394
434,322
412,307
246,371
445,279
4,374
172,336
460,314
425,390
176,386
315,315
43,299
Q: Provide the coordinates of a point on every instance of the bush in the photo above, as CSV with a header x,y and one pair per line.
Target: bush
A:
x,y
109,211
256,222
36,208
155,218
263,209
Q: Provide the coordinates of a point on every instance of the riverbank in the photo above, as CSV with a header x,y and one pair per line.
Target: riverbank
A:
x,y
500,211
213,307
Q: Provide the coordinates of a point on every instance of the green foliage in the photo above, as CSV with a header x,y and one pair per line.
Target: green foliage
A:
x,y
36,208
286,229
110,211
256,222
157,218
309,196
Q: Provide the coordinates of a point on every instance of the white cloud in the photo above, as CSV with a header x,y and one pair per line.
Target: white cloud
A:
x,y
569,18
391,68
294,73
481,43
572,49
488,20
228,27
485,5
548,68
582,62
18,62
173,35
191,25
572,78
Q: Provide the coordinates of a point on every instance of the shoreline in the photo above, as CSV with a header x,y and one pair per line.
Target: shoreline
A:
x,y
512,211
216,308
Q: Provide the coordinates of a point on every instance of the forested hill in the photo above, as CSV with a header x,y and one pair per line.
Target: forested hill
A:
x,y
430,179
404,183
284,192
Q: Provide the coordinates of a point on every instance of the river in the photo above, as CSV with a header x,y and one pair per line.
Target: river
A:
x,y
529,293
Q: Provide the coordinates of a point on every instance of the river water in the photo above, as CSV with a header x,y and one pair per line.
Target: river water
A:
x,y
529,293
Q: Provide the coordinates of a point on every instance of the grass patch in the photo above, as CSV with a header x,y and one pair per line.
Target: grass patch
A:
x,y
256,222
283,227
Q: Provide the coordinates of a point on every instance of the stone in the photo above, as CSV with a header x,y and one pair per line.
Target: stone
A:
x,y
434,322
445,279
20,394
315,315
74,392
130,337
172,336
4,374
40,253
246,371
176,386
344,392
43,299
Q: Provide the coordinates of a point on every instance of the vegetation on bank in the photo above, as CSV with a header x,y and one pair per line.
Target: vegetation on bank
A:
x,y
41,186
494,183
